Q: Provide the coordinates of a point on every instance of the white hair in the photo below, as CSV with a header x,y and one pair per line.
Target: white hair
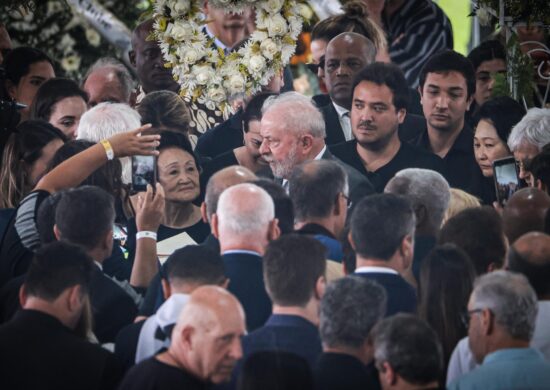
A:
x,y
423,187
299,113
532,129
245,210
104,121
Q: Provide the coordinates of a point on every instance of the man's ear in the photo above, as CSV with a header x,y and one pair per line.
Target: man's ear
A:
x,y
166,289
407,250
401,114
214,226
320,287
187,337
306,143
469,102
225,283
23,295
273,230
350,239
487,321
75,301
388,374
56,232
132,57
204,213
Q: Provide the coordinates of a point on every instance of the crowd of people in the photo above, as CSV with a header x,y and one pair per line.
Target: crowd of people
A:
x,y
351,240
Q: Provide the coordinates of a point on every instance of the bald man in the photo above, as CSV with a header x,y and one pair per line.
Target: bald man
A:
x,y
244,223
530,256
108,80
205,347
525,212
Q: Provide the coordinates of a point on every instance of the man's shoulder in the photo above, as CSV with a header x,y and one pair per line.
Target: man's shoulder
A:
x,y
152,374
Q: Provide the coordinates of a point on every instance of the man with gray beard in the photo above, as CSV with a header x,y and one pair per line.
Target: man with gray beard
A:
x,y
293,131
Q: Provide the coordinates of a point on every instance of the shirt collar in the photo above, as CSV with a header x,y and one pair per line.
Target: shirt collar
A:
x,y
233,251
508,354
374,269
289,320
341,111
320,155
99,265
217,42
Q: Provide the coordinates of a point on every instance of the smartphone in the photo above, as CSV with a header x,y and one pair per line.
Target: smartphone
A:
x,y
506,178
144,171
119,233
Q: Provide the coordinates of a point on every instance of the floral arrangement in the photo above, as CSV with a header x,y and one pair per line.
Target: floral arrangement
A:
x,y
205,72
530,11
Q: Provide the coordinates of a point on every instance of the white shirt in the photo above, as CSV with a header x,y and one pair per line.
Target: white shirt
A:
x,y
375,269
345,121
462,360
217,42
319,156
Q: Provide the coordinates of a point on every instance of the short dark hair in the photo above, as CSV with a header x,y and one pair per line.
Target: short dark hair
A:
x,y
537,273
107,177
389,75
284,207
19,60
314,187
194,264
540,167
84,215
446,282
292,265
487,51
56,267
275,370
253,109
350,307
379,223
410,346
503,113
50,93
480,233
450,61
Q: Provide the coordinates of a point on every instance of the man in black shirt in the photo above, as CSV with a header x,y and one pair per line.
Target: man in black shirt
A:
x,y
206,344
447,87
380,98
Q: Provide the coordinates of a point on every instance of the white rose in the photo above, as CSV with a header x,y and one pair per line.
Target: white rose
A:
x,y
483,16
203,74
181,32
191,56
71,63
93,37
256,63
276,25
216,94
269,48
236,83
258,36
272,6
286,52
181,6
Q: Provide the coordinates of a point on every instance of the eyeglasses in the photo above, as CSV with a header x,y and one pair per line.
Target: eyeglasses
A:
x,y
348,200
314,68
468,315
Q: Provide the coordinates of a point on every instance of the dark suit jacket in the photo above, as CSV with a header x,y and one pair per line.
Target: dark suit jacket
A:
x,y
359,185
338,371
401,295
39,352
412,126
246,282
222,138
126,343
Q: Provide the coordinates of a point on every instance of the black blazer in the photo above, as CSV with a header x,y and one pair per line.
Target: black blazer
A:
x,y
339,371
412,126
401,295
39,352
226,136
246,282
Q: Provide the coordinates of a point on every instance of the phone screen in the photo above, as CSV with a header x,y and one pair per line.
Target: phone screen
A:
x,y
506,179
144,171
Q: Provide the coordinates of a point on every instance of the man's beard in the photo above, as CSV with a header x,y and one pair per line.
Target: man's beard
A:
x,y
283,169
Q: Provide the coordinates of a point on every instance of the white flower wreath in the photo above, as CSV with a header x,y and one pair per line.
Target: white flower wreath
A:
x,y
203,71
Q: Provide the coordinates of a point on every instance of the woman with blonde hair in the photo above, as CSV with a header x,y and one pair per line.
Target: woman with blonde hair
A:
x,y
460,200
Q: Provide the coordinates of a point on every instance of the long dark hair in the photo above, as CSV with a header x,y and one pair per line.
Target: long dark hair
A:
x,y
446,281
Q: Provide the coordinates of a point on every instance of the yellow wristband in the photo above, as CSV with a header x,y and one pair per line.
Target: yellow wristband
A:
x,y
108,149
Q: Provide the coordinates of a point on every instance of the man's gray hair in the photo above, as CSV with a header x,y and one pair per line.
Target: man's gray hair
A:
x,y
298,112
104,121
423,187
511,299
245,210
121,72
350,308
532,129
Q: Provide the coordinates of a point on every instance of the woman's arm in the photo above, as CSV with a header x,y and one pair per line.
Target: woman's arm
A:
x,y
75,170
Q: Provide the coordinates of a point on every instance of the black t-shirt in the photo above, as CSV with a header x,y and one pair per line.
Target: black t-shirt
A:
x,y
151,374
407,157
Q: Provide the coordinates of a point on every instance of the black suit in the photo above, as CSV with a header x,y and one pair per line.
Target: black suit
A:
x,y
39,352
226,136
338,371
412,126
246,282
401,295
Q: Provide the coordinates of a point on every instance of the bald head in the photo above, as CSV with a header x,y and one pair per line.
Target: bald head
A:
x,y
530,256
222,180
525,212
104,85
206,340
345,56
